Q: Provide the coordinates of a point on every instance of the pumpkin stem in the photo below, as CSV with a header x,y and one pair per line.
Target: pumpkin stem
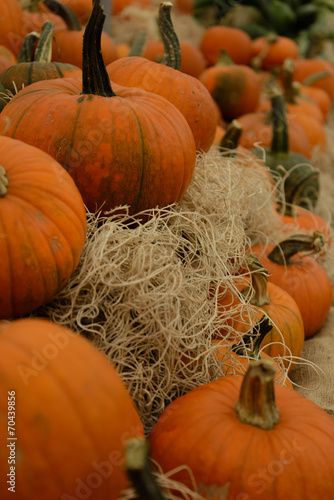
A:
x,y
306,244
29,5
250,343
289,88
172,51
138,44
72,21
280,140
95,79
26,52
259,282
256,405
302,181
313,78
230,139
3,182
139,470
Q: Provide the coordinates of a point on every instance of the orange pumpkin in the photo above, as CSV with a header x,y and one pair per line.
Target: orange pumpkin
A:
x,y
185,92
235,87
40,200
292,268
247,438
234,41
11,25
270,51
307,72
59,386
122,147
36,66
286,339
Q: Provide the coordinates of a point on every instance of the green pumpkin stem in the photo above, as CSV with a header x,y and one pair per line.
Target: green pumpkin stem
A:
x,y
172,51
43,52
72,21
315,77
258,288
301,181
256,405
26,52
138,44
230,139
95,78
306,244
280,140
139,471
3,182
29,5
250,343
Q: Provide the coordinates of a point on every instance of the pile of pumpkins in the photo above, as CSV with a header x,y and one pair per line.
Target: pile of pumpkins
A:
x,y
100,130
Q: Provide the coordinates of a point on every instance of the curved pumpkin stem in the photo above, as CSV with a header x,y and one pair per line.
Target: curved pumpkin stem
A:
x,y
95,79
138,44
250,343
289,88
259,282
172,51
256,405
306,244
139,470
3,182
72,21
280,140
43,52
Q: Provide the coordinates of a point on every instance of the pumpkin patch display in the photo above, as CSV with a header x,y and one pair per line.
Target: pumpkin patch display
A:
x,y
255,437
78,419
122,146
43,228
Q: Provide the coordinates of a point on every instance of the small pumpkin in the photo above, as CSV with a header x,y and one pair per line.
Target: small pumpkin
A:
x,y
11,25
83,414
257,438
234,41
43,228
270,51
250,300
185,92
35,65
122,146
291,267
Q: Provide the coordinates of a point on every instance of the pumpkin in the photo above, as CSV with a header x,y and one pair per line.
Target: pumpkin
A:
x,y
77,410
257,438
270,51
253,297
34,66
11,25
291,267
7,58
43,227
297,172
35,14
234,41
309,71
122,147
235,87
235,358
185,92
67,46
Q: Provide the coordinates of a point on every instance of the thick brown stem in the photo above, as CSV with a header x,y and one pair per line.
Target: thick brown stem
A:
x,y
172,51
95,79
256,405
306,244
230,139
139,470
72,21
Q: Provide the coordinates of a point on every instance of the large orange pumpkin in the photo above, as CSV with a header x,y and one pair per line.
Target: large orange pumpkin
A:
x,y
65,415
42,225
11,25
126,148
261,440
